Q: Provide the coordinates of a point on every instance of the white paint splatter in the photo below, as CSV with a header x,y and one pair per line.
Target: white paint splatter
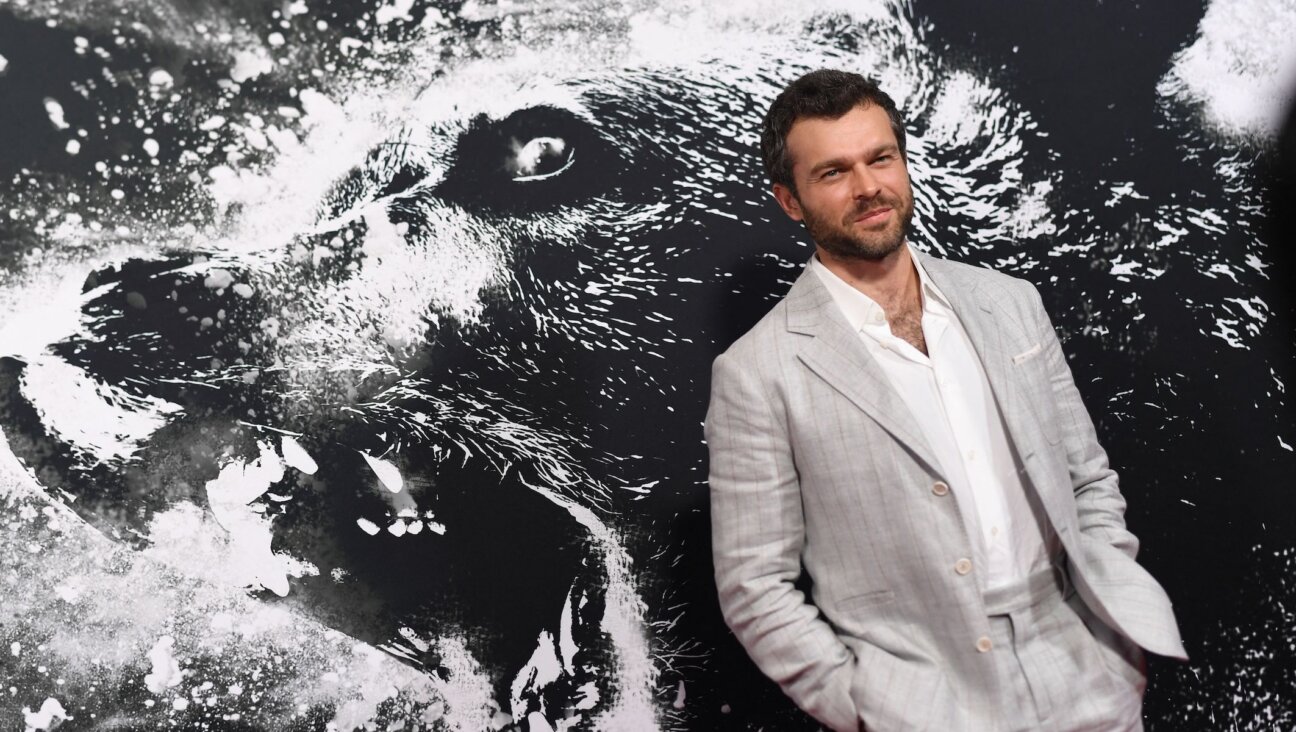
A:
x,y
160,77
1121,191
382,238
467,688
230,495
541,670
567,647
151,147
166,669
134,598
69,590
296,456
538,722
103,420
1241,68
1032,216
950,122
1124,269
396,10
218,279
49,716
388,474
55,112
251,63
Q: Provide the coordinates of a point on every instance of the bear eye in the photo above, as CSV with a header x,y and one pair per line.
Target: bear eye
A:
x,y
527,161
540,158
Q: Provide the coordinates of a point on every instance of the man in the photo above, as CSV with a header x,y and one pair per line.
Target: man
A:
x,y
907,430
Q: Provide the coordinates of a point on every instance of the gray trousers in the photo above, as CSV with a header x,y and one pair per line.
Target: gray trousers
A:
x,y
1059,668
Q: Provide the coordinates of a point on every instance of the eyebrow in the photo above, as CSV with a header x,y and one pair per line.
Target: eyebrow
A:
x,y
840,162
834,163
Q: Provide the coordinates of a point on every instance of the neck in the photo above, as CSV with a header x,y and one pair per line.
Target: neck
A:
x,y
888,281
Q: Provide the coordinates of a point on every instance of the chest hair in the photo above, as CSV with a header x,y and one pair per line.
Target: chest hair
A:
x,y
906,323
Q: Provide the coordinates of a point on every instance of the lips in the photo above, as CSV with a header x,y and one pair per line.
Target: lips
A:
x,y
873,215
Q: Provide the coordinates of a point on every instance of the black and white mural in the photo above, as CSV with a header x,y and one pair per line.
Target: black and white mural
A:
x,y
353,355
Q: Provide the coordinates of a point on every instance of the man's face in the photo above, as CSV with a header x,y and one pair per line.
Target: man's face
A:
x,y
852,184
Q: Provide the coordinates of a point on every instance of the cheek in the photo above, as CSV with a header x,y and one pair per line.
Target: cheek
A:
x,y
900,185
904,181
832,204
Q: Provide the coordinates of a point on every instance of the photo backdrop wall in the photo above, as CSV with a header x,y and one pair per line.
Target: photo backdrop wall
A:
x,y
353,356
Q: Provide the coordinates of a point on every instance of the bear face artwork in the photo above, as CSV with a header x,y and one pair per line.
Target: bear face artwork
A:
x,y
355,356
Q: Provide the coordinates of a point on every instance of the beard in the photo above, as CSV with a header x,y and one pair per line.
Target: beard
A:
x,y
840,240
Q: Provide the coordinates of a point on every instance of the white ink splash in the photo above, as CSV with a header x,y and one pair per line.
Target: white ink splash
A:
x,y
295,456
1241,68
166,669
48,717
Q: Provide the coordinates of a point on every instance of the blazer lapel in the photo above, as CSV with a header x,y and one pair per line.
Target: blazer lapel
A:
x,y
976,313
837,355
985,322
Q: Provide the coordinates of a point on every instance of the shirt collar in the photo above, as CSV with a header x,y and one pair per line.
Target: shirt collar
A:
x,y
930,290
861,310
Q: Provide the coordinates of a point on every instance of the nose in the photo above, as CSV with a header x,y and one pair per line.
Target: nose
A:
x,y
864,185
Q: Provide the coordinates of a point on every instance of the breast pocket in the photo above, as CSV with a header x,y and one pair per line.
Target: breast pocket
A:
x,y
1036,389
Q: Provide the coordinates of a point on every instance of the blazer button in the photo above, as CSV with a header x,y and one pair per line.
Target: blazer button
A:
x,y
963,566
984,645
940,488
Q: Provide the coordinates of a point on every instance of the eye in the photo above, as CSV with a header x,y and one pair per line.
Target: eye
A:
x,y
540,158
528,161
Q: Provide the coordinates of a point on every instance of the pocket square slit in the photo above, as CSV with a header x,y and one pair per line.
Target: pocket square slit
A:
x,y
1027,353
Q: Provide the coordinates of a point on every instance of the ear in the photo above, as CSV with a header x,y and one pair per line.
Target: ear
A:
x,y
788,201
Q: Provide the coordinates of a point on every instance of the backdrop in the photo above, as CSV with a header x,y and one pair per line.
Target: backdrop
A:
x,y
355,354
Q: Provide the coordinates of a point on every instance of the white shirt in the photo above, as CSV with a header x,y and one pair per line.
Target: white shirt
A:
x,y
950,398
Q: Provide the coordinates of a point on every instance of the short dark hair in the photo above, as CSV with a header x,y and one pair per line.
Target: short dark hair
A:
x,y
825,94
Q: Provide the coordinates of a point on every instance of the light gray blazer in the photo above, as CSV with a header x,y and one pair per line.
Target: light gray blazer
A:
x,y
817,462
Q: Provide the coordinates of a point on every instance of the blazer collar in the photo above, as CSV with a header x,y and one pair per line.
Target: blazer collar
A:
x,y
810,304
837,354
840,358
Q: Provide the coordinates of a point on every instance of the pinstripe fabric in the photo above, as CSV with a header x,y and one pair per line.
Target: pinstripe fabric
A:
x,y
1054,672
816,464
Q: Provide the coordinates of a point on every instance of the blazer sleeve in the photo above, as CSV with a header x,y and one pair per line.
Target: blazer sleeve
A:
x,y
757,535
1099,504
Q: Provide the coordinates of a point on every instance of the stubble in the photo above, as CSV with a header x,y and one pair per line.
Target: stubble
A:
x,y
838,240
